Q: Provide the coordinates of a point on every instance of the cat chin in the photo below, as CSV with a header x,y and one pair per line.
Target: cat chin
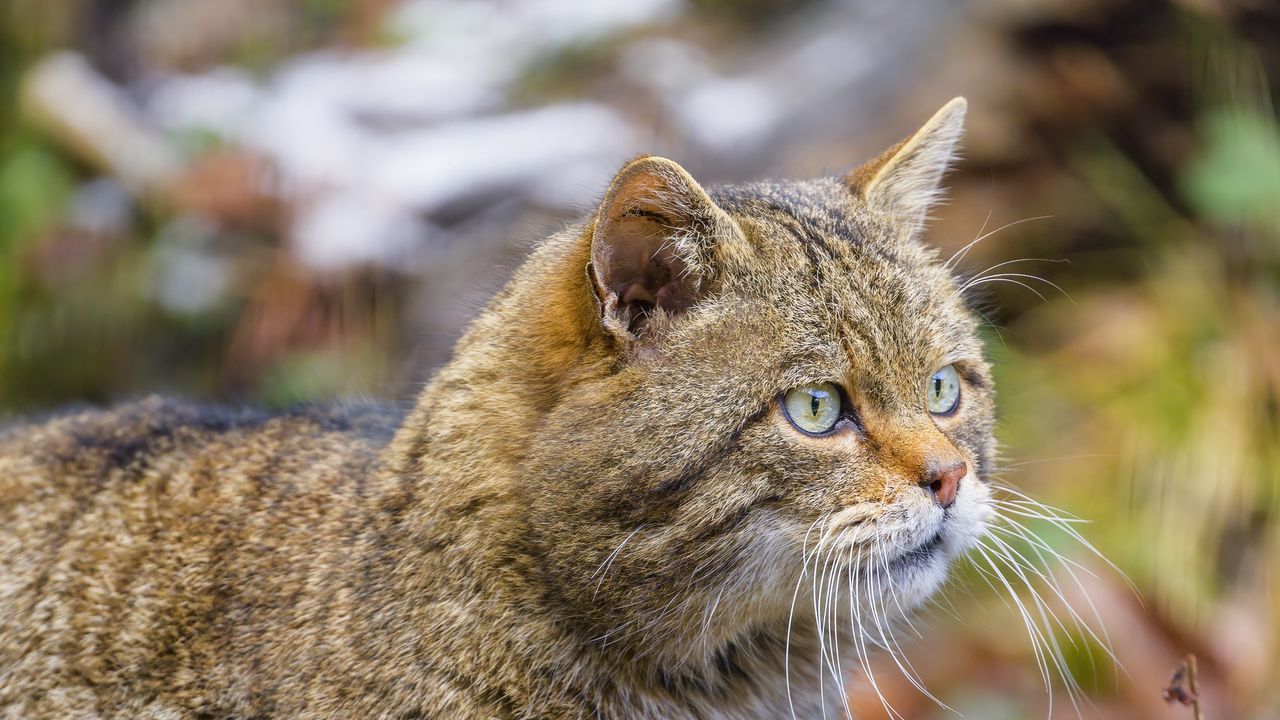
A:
x,y
919,577
917,583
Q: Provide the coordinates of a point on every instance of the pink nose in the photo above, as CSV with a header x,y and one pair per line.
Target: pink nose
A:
x,y
943,483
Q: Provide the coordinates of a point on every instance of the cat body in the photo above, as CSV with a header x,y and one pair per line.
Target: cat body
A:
x,y
603,507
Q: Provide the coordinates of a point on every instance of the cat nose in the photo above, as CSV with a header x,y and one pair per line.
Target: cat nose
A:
x,y
943,482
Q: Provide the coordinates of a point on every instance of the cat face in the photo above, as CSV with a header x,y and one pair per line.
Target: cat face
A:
x,y
868,320
792,404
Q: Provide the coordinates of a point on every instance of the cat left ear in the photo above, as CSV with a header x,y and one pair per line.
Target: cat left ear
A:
x,y
653,248
903,183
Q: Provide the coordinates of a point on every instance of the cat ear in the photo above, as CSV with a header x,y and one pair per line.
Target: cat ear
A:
x,y
652,248
903,183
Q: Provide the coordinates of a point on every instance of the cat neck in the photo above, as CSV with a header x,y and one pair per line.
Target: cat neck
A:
x,y
512,363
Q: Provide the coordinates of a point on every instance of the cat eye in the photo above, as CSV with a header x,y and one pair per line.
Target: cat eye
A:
x,y
943,393
813,409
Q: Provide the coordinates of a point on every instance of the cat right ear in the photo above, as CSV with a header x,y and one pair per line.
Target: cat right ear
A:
x,y
903,182
652,249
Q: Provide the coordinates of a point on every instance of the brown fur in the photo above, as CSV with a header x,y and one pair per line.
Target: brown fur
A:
x,y
595,510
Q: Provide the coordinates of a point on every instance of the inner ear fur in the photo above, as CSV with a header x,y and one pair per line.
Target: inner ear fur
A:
x,y
651,248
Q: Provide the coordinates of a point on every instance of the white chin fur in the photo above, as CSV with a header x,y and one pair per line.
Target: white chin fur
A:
x,y
965,523
917,583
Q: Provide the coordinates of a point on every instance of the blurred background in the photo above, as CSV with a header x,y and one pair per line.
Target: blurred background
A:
x,y
274,202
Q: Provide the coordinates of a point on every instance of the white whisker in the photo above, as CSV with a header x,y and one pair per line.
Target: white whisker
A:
x,y
1016,529
786,653
862,637
1035,292
959,255
1049,618
1055,517
891,642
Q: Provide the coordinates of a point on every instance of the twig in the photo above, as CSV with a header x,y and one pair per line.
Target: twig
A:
x,y
1195,690
1188,694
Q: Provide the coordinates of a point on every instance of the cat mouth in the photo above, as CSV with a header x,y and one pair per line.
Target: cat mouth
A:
x,y
920,554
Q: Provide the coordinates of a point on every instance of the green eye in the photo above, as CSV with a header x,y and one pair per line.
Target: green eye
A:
x,y
943,392
813,409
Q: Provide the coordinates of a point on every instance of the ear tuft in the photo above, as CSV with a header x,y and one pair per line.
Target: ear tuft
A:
x,y
648,259
903,182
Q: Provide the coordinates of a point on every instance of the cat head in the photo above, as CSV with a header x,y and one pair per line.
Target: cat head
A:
x,y
790,387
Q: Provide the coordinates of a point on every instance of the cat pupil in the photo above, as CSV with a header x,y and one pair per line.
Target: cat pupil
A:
x,y
937,386
813,404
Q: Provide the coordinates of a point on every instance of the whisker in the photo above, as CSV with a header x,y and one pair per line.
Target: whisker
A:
x,y
1033,630
707,616
1018,530
1054,517
965,249
1011,557
1061,458
830,634
986,278
791,613
862,637
984,281
1104,642
1049,617
959,255
891,641
1022,511
832,606
1015,261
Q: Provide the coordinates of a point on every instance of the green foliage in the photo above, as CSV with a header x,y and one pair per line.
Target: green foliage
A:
x,y
1237,177
34,186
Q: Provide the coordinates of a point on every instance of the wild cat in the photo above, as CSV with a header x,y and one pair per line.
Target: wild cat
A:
x,y
694,461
